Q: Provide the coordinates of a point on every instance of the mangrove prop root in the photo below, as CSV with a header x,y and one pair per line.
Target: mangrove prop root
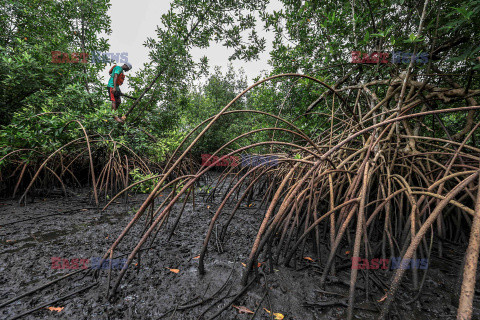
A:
x,y
372,180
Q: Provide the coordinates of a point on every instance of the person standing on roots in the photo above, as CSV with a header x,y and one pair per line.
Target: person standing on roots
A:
x,y
117,77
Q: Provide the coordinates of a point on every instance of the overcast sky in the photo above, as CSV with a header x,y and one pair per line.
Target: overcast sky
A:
x,y
133,23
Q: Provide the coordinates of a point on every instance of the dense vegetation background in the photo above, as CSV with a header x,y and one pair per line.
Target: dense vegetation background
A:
x,y
39,98
373,154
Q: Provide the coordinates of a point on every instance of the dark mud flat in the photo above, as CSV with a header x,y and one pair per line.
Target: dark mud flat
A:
x,y
72,228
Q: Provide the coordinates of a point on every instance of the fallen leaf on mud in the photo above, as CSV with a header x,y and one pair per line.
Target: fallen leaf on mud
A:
x,y
58,309
278,316
308,258
242,309
174,270
258,265
196,257
383,298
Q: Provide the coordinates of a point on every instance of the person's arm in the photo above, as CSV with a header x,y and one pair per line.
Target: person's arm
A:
x,y
115,83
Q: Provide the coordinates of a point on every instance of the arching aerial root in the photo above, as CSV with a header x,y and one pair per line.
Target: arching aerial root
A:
x,y
371,184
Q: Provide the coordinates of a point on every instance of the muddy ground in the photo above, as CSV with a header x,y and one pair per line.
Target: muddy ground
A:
x,y
54,226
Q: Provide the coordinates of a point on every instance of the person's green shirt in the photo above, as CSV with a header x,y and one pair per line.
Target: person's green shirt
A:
x,y
116,70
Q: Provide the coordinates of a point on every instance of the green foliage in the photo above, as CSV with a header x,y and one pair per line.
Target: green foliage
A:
x,y
164,146
207,100
311,35
28,78
39,98
187,25
146,186
205,189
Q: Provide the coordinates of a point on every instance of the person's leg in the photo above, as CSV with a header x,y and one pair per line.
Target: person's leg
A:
x,y
115,103
111,96
118,101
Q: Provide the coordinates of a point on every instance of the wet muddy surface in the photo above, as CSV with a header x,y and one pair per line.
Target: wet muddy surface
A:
x,y
73,228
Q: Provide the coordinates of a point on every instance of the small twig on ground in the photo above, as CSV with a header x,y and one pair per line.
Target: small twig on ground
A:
x,y
54,301
259,305
238,295
188,306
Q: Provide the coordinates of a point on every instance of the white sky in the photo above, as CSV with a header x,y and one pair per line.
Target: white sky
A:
x,y
133,22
